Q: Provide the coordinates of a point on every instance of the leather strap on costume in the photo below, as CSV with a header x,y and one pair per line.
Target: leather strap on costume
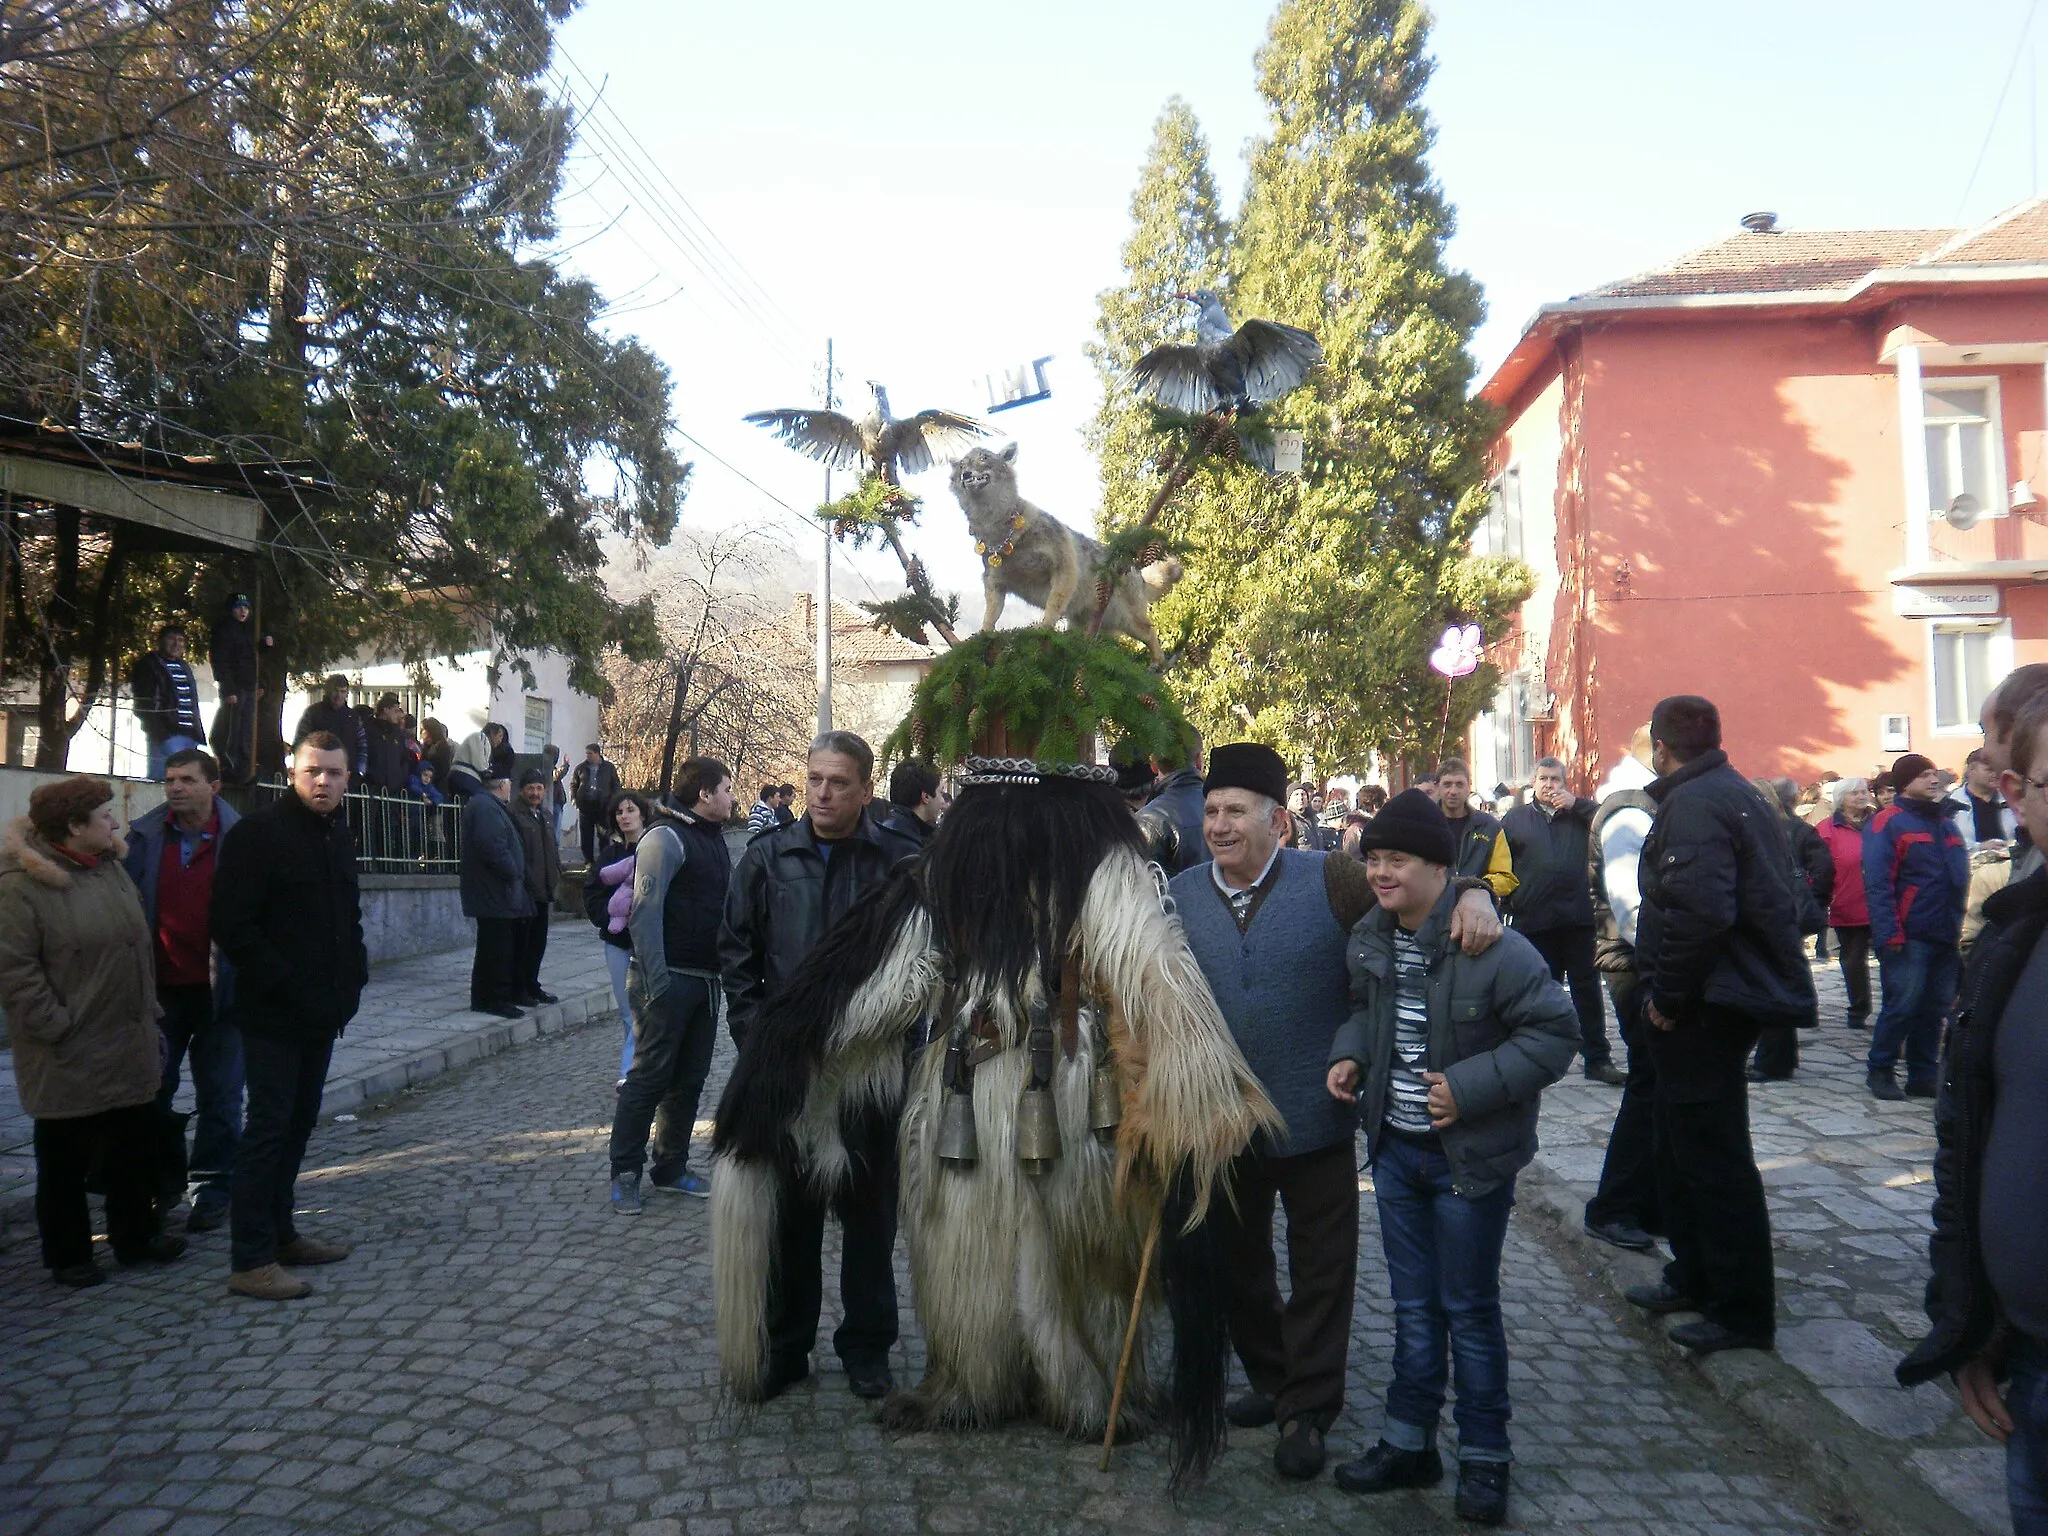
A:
x,y
987,1039
1070,1005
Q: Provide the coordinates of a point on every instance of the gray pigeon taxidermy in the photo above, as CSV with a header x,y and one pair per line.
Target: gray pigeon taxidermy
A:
x,y
1254,364
878,443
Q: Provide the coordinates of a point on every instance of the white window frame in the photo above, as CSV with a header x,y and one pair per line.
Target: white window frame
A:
x,y
2000,631
1496,533
1999,504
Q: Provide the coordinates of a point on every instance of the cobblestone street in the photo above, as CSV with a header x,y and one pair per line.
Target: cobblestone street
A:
x,y
503,1354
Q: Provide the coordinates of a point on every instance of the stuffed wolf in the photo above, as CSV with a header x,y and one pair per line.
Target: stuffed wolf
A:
x,y
1024,1216
1031,553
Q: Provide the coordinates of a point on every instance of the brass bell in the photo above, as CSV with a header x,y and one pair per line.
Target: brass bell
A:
x,y
1105,1103
957,1143
1038,1132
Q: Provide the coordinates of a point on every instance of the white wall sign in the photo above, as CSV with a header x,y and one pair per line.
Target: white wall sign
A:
x,y
1944,602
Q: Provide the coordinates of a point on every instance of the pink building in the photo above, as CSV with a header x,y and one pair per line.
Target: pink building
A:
x,y
1797,471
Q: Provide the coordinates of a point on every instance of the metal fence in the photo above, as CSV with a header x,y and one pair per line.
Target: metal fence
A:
x,y
394,834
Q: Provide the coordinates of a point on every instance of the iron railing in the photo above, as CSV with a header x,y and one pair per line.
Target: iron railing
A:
x,y
394,834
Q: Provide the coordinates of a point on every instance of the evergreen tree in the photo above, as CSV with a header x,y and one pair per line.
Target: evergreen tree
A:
x,y
1312,603
1178,243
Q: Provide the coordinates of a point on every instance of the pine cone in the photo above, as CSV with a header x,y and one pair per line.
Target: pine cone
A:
x,y
1152,553
920,735
1080,683
1146,701
1103,588
959,693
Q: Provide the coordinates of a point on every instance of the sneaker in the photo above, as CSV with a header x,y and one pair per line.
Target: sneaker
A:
x,y
1483,1492
268,1282
1884,1086
1385,1467
626,1194
79,1276
684,1183
1299,1455
310,1250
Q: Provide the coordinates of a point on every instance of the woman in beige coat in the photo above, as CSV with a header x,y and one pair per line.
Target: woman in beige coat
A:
x,y
76,980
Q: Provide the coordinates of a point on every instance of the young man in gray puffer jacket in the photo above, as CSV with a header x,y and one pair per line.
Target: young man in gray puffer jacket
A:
x,y
1447,1055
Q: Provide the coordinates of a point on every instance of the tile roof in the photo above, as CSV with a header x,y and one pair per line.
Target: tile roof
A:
x,y
856,641
1819,260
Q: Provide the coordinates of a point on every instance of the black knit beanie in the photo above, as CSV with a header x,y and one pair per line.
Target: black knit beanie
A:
x,y
1411,822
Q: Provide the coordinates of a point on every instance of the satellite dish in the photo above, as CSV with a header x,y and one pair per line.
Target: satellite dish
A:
x,y
1963,512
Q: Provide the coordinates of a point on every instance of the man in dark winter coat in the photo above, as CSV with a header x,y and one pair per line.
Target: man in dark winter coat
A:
x,y
1916,873
285,911
1179,798
536,823
1813,888
167,699
1552,905
231,649
1988,1296
1719,956
591,786
788,888
681,870
331,713
494,893
917,799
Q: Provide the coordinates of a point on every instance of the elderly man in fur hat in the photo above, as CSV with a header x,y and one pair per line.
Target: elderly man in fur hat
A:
x,y
1268,925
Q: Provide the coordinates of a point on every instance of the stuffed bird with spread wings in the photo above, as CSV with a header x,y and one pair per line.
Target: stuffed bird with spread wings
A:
x,y
1253,364
878,443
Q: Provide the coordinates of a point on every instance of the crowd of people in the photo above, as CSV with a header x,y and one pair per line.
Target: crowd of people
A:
x,y
1421,977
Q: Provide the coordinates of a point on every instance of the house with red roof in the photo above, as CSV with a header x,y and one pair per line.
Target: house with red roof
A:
x,y
1797,471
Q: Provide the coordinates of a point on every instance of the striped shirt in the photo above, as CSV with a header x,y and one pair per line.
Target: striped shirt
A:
x,y
1407,1093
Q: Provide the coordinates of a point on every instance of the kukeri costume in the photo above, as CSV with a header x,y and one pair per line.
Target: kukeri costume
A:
x,y
1023,998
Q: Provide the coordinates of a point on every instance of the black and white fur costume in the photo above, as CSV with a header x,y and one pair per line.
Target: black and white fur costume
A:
x,y
1023,1282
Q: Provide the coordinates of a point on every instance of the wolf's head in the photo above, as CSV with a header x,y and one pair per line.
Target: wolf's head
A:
x,y
984,479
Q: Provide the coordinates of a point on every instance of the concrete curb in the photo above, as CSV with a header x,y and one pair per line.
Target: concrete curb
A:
x,y
573,1012
1864,1474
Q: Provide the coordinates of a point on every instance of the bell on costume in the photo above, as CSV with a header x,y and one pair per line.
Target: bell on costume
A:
x,y
1038,1131
1105,1102
957,1142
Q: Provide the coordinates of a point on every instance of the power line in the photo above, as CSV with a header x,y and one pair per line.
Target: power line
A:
x,y
1991,128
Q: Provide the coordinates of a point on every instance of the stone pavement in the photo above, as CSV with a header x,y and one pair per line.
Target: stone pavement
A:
x,y
1851,1191
504,1355
414,1023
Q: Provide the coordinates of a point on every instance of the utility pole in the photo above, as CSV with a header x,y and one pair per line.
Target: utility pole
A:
x,y
822,615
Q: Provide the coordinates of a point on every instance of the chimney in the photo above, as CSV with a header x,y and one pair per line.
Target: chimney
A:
x,y
1760,223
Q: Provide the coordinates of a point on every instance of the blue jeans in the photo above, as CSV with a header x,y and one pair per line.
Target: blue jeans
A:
x,y
620,960
215,1045
1443,1265
2026,1453
159,750
1919,984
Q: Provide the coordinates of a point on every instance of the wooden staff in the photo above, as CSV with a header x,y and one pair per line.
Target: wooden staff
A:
x,y
1123,1366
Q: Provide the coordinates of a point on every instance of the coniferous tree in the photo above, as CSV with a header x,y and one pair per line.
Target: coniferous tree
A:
x,y
1312,602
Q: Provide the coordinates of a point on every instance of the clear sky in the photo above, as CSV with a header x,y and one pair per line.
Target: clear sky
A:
x,y
943,189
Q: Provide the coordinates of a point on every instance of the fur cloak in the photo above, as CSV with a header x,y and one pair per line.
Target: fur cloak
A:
x,y
1023,1282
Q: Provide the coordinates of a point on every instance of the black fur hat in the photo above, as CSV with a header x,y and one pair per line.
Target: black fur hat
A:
x,y
1247,765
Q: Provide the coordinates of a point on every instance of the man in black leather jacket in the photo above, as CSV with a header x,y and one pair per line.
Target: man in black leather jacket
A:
x,y
285,911
1719,955
788,888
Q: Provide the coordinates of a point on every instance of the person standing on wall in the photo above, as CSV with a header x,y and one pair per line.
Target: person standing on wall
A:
x,y
286,912
681,868
494,893
166,699
1552,904
173,853
536,826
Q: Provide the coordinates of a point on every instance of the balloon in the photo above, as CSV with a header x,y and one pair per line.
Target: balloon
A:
x,y
1457,652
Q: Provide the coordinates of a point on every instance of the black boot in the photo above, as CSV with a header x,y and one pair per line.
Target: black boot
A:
x,y
1386,1467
